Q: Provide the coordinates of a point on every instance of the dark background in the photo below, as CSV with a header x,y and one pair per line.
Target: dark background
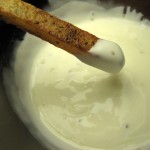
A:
x,y
13,134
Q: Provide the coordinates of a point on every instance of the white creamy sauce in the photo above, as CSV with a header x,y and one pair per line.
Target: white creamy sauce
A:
x,y
75,106
105,55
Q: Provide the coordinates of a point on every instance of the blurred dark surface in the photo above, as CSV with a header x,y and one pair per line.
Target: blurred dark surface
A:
x,y
13,134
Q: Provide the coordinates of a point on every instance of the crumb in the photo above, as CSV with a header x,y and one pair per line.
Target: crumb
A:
x,y
126,126
113,53
92,13
141,52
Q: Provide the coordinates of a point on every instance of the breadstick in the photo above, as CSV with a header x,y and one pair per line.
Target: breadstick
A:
x,y
46,26
62,34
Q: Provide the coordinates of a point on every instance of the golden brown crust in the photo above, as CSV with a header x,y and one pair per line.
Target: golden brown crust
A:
x,y
46,26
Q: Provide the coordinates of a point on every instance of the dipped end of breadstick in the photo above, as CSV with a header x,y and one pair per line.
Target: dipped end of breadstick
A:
x,y
99,53
105,55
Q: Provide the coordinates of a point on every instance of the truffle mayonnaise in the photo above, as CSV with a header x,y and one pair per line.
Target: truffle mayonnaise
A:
x,y
72,106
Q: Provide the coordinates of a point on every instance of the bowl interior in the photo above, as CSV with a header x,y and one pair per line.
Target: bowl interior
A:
x,y
13,134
